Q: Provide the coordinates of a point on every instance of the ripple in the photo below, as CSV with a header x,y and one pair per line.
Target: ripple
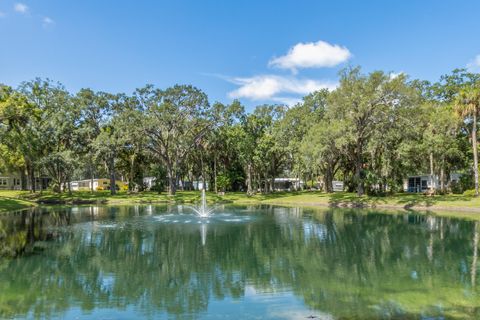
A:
x,y
194,219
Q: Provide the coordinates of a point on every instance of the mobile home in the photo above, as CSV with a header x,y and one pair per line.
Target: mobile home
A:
x,y
98,184
425,182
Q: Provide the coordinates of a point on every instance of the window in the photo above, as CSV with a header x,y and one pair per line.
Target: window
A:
x,y
3,181
424,184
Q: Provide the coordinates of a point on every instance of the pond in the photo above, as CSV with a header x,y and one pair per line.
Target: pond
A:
x,y
163,262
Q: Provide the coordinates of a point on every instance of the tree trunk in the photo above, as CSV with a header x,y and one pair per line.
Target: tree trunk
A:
x,y
172,187
113,188
91,178
204,185
31,176
131,173
23,179
69,184
431,172
249,179
215,173
442,179
358,177
475,152
358,169
328,180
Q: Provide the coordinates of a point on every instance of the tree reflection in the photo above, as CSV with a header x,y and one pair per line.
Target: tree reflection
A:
x,y
348,263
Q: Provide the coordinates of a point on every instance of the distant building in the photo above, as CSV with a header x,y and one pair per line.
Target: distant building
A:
x,y
149,182
98,184
425,182
9,181
287,184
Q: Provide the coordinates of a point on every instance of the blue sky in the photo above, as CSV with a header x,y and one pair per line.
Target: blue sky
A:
x,y
256,51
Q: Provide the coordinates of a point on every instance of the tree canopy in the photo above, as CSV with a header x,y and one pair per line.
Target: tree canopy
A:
x,y
370,132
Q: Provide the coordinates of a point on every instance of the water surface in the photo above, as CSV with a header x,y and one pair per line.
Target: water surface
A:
x,y
160,262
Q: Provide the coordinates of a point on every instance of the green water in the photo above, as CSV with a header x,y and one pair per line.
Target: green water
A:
x,y
159,262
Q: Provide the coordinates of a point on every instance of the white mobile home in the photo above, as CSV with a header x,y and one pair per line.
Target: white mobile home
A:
x,y
425,182
287,184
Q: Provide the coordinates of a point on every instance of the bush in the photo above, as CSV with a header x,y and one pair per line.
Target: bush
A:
x,y
456,187
312,184
467,181
223,182
158,187
100,188
469,193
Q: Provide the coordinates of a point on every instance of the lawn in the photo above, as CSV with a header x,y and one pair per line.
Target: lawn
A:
x,y
400,200
12,200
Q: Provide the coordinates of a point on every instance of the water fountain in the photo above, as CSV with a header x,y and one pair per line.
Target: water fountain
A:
x,y
203,211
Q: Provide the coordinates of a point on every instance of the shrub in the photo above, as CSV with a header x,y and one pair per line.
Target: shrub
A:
x,y
467,181
312,184
100,188
469,193
223,182
456,187
158,187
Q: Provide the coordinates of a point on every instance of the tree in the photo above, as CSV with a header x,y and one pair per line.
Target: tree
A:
x,y
363,104
467,105
222,145
15,115
53,133
132,155
176,121
440,140
107,146
95,110
291,129
322,149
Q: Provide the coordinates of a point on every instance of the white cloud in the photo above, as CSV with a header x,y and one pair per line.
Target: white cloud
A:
x,y
311,55
268,87
287,101
474,65
20,7
394,75
2,14
46,21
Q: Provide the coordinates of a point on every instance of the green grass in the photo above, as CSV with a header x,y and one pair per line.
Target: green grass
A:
x,y
403,200
12,200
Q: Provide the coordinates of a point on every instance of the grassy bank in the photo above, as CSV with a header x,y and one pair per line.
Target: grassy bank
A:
x,y
12,200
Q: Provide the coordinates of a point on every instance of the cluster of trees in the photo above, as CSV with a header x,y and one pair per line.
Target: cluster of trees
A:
x,y
370,132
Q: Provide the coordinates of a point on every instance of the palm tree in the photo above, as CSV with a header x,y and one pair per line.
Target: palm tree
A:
x,y
467,105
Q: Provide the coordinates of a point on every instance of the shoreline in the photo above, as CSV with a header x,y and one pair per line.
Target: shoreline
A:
x,y
451,203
